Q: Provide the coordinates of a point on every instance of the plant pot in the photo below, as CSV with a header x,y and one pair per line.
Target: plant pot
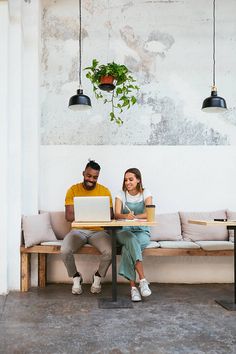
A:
x,y
107,83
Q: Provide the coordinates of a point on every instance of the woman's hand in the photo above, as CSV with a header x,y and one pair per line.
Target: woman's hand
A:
x,y
130,216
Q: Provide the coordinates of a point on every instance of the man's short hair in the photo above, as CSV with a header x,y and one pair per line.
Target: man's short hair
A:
x,y
94,165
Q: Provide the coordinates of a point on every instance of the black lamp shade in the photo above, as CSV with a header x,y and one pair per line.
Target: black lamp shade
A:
x,y
79,102
214,104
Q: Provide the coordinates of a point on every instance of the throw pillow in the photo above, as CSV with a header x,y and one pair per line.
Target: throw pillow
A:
x,y
168,228
37,229
201,232
60,226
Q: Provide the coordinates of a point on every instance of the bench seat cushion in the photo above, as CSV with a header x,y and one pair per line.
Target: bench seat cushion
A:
x,y
215,245
51,243
193,232
231,215
168,228
178,244
153,244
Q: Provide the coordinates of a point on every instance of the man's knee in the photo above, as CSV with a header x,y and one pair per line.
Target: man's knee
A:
x,y
107,247
69,246
66,249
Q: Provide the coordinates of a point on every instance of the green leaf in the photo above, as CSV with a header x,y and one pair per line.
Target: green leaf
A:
x,y
112,116
119,90
94,63
119,121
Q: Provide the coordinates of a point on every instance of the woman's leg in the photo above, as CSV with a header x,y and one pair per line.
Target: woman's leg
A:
x,y
139,268
143,239
131,252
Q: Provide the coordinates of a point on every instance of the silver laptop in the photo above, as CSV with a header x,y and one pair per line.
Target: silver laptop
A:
x,y
92,209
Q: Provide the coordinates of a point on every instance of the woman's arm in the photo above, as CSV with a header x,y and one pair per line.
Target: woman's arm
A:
x,y
147,201
118,210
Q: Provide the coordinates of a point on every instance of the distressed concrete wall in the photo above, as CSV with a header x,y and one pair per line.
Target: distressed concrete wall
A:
x,y
168,47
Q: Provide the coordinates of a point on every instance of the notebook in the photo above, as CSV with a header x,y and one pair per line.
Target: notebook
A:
x,y
92,209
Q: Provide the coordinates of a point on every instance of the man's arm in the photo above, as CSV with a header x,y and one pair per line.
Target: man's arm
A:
x,y
112,213
69,213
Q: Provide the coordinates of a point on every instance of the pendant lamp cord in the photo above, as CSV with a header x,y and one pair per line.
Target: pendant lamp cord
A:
x,y
80,40
214,42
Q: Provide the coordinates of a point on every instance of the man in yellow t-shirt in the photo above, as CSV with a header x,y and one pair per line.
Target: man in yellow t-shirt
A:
x,y
97,237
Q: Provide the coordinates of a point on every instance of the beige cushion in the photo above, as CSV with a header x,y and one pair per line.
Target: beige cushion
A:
x,y
231,215
178,244
37,228
60,226
215,245
168,228
201,232
153,244
51,243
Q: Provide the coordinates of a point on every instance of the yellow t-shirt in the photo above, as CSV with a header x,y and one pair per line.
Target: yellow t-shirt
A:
x,y
78,190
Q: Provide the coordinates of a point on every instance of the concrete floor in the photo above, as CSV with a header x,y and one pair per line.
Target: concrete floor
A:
x,y
181,319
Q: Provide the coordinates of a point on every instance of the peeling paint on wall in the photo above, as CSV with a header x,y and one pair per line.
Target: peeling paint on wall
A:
x,y
166,45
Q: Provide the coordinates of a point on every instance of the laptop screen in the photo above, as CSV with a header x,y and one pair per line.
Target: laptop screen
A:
x,y
92,209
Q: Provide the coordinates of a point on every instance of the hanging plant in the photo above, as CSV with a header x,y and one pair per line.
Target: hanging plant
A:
x,y
114,78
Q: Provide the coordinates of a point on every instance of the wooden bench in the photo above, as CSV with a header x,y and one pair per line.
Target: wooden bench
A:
x,y
43,251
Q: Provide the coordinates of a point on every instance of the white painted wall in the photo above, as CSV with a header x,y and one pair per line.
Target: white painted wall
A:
x,y
31,37
3,145
14,136
180,177
187,178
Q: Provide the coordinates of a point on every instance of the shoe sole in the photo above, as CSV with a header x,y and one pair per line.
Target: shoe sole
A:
x,y
146,295
95,290
136,300
77,292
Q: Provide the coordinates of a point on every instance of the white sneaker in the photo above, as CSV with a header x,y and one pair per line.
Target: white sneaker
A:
x,y
76,288
135,295
96,286
144,288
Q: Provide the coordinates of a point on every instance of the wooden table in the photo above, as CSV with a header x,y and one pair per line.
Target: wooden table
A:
x,y
231,225
114,302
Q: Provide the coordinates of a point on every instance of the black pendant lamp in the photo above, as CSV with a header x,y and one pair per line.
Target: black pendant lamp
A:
x,y
80,102
214,103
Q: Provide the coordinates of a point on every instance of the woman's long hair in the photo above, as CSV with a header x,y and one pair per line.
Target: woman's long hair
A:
x,y
138,175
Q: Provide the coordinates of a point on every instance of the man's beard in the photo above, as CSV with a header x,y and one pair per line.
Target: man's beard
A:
x,y
89,185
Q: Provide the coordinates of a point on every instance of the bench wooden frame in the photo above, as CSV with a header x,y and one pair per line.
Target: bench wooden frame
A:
x,y
43,251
